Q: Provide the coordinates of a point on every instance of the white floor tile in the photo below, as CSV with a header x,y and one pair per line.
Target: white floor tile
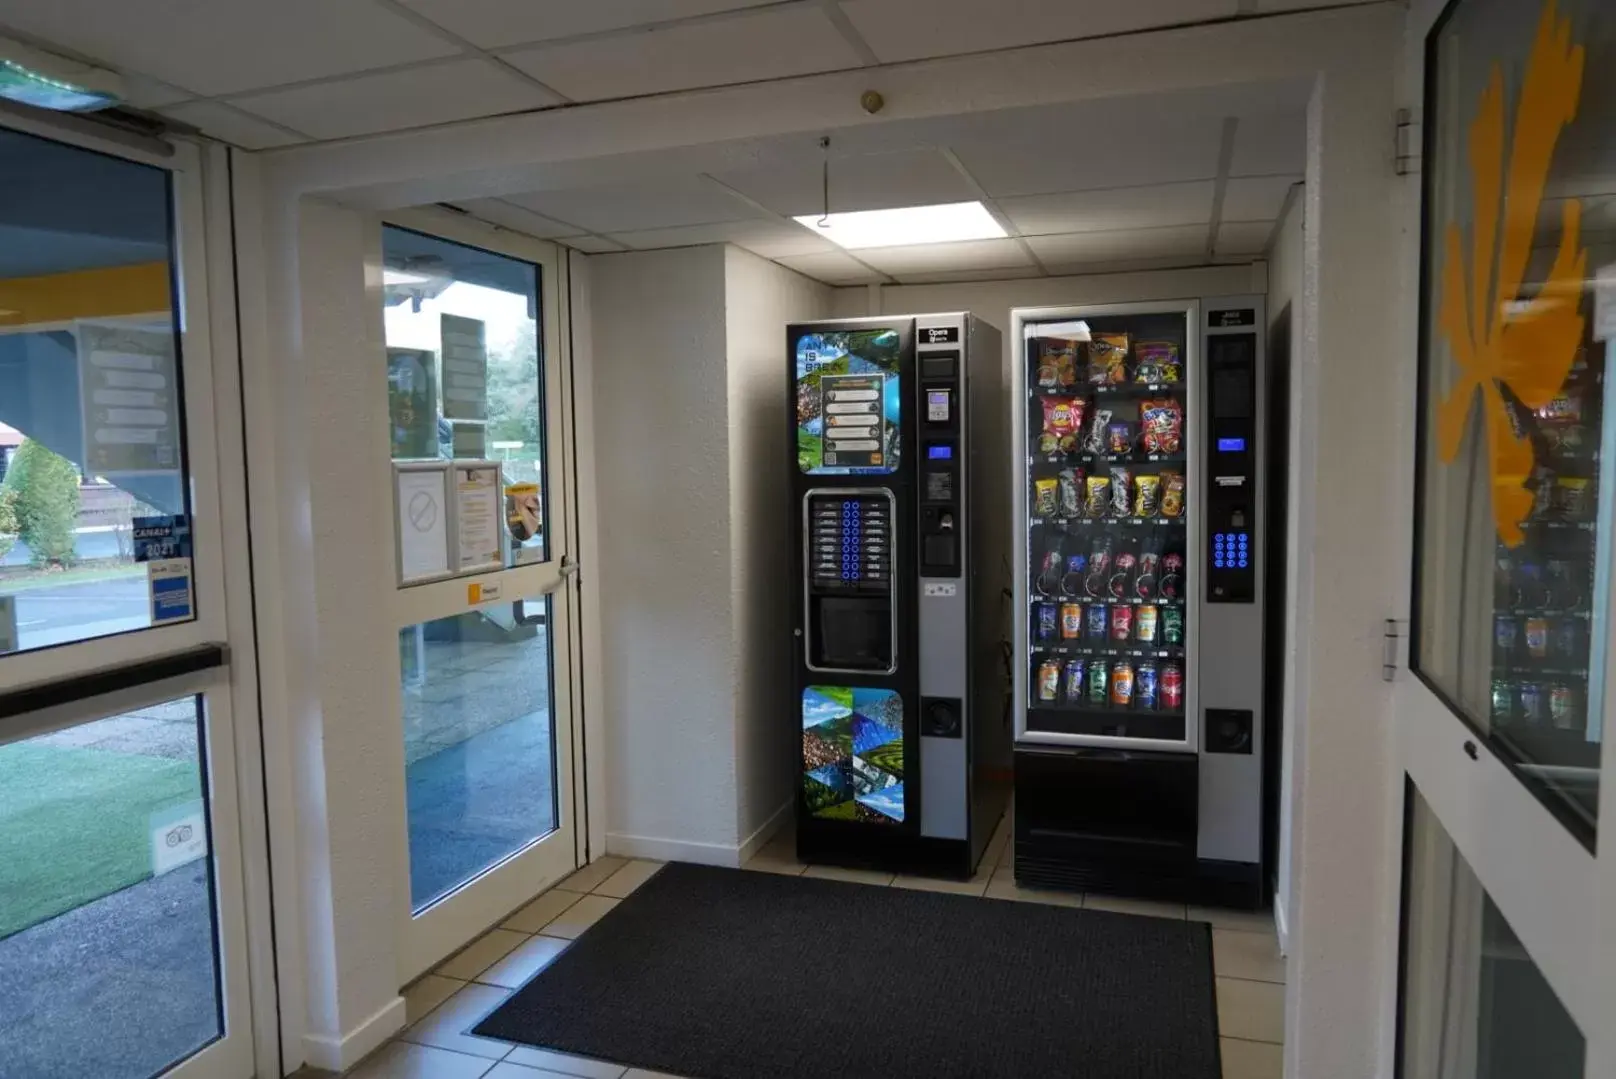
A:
x,y
1254,1011
977,885
580,916
1253,956
587,878
765,864
1121,904
541,912
480,954
1252,921
564,1064
1003,886
530,957
506,1070
623,882
427,993
857,876
401,1060
1251,1060
446,1026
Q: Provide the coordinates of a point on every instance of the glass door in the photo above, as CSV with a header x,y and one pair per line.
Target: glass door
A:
x,y
123,935
1501,729
475,392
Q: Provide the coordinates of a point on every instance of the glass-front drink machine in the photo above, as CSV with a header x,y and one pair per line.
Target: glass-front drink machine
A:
x,y
902,618
1140,515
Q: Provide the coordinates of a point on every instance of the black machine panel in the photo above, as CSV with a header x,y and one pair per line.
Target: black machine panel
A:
x,y
1231,455
940,467
850,613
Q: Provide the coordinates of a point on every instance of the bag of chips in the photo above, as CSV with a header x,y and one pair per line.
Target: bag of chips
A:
x,y
1095,442
1063,419
1156,361
1098,496
1071,492
1147,496
1121,480
1119,437
1057,363
1108,359
1163,423
1045,498
1172,498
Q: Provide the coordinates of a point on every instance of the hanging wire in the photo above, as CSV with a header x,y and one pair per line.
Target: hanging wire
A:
x,y
824,145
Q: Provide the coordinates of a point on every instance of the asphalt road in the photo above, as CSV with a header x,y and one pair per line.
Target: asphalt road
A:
x,y
54,614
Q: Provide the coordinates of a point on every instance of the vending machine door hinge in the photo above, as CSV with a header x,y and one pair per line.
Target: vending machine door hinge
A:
x,y
1406,144
1389,650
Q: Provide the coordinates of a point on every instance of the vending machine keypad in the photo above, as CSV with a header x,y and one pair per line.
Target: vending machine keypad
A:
x,y
852,543
1231,557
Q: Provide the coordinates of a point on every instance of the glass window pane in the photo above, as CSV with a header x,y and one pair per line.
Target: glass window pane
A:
x,y
1475,1005
463,372
479,747
91,423
1514,507
107,929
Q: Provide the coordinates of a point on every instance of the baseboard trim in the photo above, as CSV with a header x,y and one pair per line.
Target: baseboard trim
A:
x,y
766,831
1282,925
339,1054
671,850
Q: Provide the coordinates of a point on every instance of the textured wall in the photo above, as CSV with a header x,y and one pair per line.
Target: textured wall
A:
x,y
760,298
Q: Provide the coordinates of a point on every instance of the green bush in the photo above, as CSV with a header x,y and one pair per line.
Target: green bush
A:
x,y
8,521
45,487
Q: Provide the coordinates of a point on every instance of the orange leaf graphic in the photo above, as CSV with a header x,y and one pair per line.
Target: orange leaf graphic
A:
x,y
1498,337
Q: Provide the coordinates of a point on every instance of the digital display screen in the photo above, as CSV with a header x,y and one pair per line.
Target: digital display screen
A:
x,y
940,453
1231,445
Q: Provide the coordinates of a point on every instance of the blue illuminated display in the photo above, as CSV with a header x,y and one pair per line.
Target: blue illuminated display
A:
x,y
1231,445
940,453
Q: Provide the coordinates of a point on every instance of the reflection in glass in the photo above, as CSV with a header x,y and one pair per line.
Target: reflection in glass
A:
x,y
1475,1005
90,402
479,747
107,961
463,368
1514,511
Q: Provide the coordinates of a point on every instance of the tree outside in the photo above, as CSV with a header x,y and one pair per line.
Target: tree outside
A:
x,y
44,489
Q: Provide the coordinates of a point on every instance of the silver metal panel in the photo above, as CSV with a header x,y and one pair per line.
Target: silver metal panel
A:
x,y
1228,665
1021,320
944,621
807,559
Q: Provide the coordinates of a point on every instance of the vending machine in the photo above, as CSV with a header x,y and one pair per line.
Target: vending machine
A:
x,y
902,615
1139,500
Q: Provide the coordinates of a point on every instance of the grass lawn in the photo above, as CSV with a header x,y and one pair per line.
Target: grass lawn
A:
x,y
20,579
75,823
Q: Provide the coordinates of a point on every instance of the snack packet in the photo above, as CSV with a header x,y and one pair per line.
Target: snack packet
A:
x,y
1071,493
1046,498
1108,359
1119,437
1098,426
1147,496
1163,423
1098,497
1120,479
1156,361
1057,363
1063,419
1172,495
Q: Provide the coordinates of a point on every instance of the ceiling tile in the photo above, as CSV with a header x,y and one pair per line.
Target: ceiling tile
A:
x,y
831,267
1268,7
144,93
226,124
1155,206
921,177
594,245
1243,237
494,23
948,276
1129,244
915,29
394,100
1270,144
1258,198
667,203
765,45
507,215
227,46
1108,154
770,239
936,258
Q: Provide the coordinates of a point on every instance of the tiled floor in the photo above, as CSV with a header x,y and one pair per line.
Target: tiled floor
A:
x,y
442,1006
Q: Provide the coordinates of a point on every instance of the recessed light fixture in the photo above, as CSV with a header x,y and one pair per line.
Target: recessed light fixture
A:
x,y
906,227
47,81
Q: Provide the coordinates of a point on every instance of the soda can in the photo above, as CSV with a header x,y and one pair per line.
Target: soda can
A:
x,y
1567,641
1172,625
1121,622
1537,638
1122,684
1503,699
1049,675
1506,634
1145,624
1172,687
1563,706
1099,684
1071,621
1146,687
1099,622
1048,622
1534,707
1076,672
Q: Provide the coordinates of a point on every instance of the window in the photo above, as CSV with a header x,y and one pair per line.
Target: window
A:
x,y
94,507
1514,504
463,369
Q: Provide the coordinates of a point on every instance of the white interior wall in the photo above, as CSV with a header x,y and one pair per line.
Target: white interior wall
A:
x,y
760,298
1284,301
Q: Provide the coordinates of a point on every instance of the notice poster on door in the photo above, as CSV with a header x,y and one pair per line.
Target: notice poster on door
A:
x,y
128,396
479,515
421,503
465,368
169,583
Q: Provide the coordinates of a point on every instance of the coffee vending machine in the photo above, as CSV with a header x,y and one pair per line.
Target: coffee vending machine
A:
x,y
901,611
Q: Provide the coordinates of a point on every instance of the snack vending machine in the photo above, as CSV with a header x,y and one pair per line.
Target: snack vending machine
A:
x,y
1138,693
901,617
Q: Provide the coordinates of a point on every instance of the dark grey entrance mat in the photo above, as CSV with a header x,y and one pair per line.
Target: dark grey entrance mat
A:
x,y
725,974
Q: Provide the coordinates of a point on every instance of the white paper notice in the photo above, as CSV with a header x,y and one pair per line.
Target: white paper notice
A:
x,y
479,505
179,836
423,524
465,368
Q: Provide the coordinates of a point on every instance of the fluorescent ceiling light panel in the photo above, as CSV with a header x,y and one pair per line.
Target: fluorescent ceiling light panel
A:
x,y
47,81
906,227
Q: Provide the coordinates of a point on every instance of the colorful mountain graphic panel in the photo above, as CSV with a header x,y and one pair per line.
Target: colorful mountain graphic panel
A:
x,y
852,754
